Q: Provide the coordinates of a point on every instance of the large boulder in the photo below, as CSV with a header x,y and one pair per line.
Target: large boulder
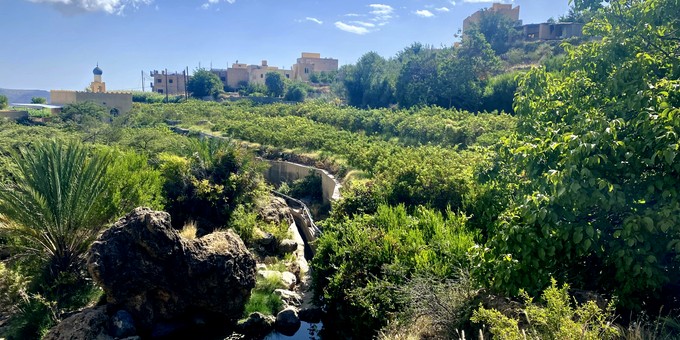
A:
x,y
89,324
148,269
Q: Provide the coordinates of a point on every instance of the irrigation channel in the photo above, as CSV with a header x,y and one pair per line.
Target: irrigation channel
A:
x,y
303,228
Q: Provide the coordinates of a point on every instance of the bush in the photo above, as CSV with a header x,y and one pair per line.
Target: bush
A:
x,y
557,320
359,262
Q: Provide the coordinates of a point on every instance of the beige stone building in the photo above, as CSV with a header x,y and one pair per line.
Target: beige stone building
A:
x,y
552,31
313,63
503,9
116,102
173,84
237,75
257,73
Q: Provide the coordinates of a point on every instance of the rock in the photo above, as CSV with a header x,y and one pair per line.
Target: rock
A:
x,y
289,298
287,321
145,267
288,279
287,246
122,325
276,211
91,323
257,325
311,314
164,330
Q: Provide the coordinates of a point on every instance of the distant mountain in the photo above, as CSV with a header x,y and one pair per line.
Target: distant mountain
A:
x,y
24,96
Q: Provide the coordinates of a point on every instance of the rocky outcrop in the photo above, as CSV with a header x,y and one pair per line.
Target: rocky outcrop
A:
x,y
91,323
256,326
147,269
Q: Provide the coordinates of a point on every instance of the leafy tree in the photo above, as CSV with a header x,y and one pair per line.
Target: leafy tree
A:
x,y
417,81
498,30
38,100
296,92
3,102
366,82
275,84
57,203
204,83
596,156
323,77
464,71
499,93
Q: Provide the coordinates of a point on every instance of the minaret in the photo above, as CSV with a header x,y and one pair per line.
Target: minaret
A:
x,y
97,86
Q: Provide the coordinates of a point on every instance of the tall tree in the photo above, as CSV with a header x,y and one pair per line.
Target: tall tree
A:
x,y
204,83
275,84
3,101
463,72
597,157
38,100
367,83
498,30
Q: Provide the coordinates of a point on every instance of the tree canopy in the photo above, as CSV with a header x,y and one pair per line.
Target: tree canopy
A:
x,y
275,84
204,83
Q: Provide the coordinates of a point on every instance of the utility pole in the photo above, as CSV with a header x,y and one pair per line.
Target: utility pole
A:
x,y
186,80
143,81
166,85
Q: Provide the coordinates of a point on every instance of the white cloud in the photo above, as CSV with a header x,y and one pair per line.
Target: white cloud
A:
x,y
362,23
215,2
108,6
351,28
378,15
423,13
442,9
314,20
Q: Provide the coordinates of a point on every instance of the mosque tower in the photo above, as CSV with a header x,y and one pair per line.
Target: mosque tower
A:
x,y
98,86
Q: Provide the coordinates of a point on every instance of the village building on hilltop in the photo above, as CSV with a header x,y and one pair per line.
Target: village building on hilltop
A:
x,y
116,102
528,32
240,74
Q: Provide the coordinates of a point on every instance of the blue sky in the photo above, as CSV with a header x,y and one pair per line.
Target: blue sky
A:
x,y
55,44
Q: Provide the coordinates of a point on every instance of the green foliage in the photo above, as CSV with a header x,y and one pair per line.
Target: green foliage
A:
x,y
500,92
463,70
359,261
38,100
323,77
12,286
36,316
244,223
3,102
57,202
307,187
498,29
207,187
84,113
275,84
204,83
596,157
366,82
134,182
296,92
557,320
263,299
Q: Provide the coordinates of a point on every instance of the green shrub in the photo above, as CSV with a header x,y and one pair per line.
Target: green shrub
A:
x,y
557,320
360,261
12,286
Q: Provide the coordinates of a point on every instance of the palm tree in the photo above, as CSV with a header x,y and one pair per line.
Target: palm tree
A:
x,y
57,203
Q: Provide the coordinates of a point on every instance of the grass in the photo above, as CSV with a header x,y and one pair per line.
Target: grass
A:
x,y
263,299
189,230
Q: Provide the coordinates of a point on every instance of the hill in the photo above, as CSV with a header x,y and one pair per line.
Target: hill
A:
x,y
24,96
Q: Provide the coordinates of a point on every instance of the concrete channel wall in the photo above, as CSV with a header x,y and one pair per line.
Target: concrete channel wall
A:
x,y
282,171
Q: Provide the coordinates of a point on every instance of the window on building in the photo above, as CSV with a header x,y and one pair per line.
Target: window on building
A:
x,y
261,75
159,80
223,78
170,81
288,76
306,70
160,90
